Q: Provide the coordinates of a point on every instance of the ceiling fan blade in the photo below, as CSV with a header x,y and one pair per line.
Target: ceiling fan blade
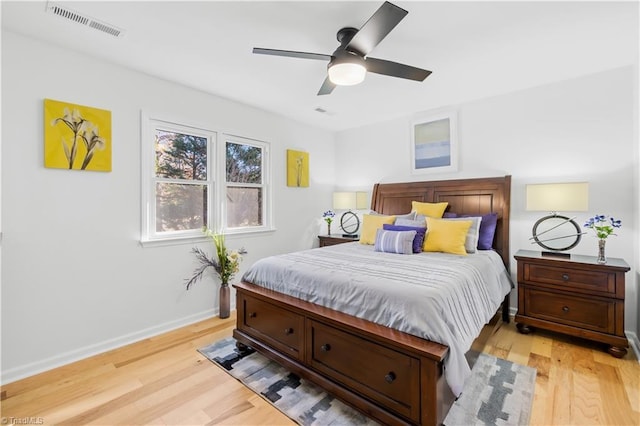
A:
x,y
394,69
376,28
327,87
291,54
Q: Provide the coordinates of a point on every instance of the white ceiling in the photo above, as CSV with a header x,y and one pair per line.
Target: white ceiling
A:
x,y
475,49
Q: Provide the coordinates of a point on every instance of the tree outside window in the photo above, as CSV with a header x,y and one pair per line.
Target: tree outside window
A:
x,y
245,184
181,181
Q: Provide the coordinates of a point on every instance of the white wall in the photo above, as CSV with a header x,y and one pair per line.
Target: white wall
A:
x,y
575,130
75,280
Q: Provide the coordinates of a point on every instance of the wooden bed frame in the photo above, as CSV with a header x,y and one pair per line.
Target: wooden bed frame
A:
x,y
390,376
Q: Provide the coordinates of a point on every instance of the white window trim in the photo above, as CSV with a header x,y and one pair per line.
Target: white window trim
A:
x,y
217,182
267,211
149,123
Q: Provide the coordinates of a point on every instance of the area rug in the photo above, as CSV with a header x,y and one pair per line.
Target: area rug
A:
x,y
498,392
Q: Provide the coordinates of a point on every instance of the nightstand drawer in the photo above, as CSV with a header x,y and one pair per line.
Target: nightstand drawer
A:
x,y
332,240
568,278
586,313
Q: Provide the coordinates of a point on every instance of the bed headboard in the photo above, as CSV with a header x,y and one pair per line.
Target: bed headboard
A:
x,y
465,196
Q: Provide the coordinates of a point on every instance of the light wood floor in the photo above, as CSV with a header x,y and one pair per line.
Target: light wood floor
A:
x,y
164,380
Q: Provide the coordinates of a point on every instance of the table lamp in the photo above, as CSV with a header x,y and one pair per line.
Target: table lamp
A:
x,y
349,221
557,233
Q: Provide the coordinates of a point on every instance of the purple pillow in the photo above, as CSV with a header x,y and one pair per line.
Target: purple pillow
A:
x,y
448,215
418,240
487,230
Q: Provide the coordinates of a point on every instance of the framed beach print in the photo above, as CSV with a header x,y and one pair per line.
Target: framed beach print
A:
x,y
434,143
76,137
297,168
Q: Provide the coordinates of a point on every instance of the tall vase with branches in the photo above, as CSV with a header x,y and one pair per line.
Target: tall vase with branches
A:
x,y
225,263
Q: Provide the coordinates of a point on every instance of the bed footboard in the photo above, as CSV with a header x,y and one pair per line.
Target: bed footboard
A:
x,y
388,375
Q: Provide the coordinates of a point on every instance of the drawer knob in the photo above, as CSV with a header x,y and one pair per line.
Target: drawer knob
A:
x,y
390,377
288,331
565,277
253,315
565,308
325,348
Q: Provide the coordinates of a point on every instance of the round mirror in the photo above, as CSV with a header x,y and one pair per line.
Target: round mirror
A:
x,y
557,233
350,223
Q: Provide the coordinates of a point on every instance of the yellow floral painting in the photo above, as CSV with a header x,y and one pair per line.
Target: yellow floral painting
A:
x,y
76,137
297,168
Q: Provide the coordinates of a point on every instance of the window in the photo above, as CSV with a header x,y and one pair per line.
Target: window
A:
x,y
182,182
177,179
245,183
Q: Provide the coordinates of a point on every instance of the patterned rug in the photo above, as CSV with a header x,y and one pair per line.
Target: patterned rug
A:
x,y
499,392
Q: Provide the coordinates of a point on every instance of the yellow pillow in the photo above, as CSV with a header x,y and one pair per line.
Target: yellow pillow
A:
x,y
370,224
446,236
429,209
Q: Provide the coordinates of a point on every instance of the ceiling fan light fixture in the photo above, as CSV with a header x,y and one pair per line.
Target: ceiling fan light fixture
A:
x,y
346,73
350,62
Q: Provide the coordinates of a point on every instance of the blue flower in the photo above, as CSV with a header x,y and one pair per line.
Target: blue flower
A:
x,y
603,226
328,216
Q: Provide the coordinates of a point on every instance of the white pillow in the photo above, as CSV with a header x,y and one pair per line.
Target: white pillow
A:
x,y
408,216
407,222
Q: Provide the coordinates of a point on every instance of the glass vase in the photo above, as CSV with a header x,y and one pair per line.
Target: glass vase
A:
x,y
601,256
225,300
328,228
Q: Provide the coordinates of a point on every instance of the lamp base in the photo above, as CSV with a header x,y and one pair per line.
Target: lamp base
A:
x,y
556,233
555,254
350,224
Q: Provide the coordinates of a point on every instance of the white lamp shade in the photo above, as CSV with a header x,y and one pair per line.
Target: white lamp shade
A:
x,y
347,73
362,200
558,197
344,200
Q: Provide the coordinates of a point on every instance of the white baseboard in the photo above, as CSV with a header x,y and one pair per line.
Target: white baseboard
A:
x,y
634,343
31,369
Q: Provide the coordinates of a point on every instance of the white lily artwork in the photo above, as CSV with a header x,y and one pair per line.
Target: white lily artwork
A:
x,y
76,137
297,168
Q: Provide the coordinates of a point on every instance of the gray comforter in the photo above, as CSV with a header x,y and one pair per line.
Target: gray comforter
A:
x,y
440,297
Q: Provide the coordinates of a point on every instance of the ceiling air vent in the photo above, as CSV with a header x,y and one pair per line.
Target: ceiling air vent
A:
x,y
72,15
323,111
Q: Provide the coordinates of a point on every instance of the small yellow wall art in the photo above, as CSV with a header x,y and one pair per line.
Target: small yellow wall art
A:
x,y
297,168
76,137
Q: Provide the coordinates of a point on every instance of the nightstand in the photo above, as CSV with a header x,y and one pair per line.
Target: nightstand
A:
x,y
331,240
575,296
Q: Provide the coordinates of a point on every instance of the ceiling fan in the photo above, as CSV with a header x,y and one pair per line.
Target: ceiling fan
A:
x,y
349,63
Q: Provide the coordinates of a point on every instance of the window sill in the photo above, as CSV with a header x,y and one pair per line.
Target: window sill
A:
x,y
164,242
